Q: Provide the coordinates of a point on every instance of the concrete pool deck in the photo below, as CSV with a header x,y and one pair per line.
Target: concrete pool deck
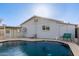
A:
x,y
74,47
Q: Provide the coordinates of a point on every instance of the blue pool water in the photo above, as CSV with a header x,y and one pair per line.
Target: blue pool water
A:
x,y
41,48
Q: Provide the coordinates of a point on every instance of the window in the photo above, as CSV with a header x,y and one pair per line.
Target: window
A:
x,y
7,31
45,28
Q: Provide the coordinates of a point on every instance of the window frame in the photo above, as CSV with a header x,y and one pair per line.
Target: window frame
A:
x,y
47,28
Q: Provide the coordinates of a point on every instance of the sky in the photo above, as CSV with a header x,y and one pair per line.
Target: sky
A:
x,y
13,14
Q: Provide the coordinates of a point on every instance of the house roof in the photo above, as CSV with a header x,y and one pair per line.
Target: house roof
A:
x,y
62,22
1,27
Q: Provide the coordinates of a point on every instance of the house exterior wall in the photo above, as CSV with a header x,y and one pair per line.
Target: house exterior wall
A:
x,y
1,33
67,29
13,33
56,29
30,29
52,33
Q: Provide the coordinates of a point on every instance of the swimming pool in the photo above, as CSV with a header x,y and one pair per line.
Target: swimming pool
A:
x,y
37,48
